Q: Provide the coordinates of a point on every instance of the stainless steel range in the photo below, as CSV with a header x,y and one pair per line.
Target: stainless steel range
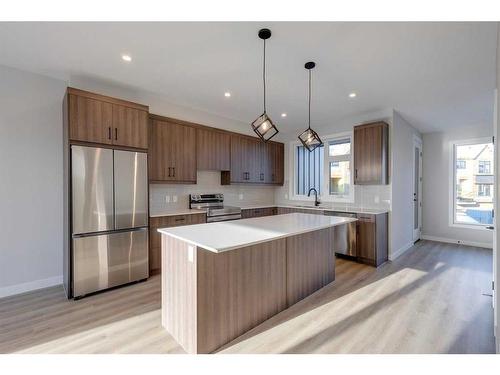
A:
x,y
214,204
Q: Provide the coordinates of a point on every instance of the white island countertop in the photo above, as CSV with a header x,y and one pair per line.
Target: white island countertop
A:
x,y
230,235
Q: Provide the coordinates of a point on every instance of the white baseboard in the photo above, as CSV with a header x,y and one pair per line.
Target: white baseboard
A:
x,y
11,290
400,251
459,242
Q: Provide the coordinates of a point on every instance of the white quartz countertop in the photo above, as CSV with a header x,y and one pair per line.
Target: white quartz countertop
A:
x,y
230,235
185,211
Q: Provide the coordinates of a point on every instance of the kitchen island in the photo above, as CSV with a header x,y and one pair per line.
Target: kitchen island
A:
x,y
220,280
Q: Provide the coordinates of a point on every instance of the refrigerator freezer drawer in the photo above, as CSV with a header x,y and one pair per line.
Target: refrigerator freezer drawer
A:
x,y
107,260
92,189
131,189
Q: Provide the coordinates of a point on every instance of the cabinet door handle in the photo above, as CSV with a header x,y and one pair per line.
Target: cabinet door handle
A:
x,y
180,219
174,171
116,134
169,172
272,177
262,176
356,173
109,132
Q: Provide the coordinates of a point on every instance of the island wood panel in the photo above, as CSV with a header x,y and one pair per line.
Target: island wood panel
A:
x,y
130,127
310,263
90,120
213,150
238,290
178,297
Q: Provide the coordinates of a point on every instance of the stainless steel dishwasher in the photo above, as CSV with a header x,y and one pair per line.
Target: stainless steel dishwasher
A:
x,y
344,238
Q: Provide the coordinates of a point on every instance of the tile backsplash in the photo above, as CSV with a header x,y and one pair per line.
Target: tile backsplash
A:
x,y
208,182
365,197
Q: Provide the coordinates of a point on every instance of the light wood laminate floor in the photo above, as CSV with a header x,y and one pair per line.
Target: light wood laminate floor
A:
x,y
433,299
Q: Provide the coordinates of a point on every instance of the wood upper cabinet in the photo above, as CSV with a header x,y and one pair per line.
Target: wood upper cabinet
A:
x,y
371,154
90,120
253,161
172,156
213,150
101,119
130,127
245,159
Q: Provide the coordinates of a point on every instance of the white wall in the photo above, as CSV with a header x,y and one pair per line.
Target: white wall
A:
x,y
436,188
402,153
31,175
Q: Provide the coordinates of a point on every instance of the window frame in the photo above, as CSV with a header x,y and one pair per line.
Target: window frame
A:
x,y
452,182
325,188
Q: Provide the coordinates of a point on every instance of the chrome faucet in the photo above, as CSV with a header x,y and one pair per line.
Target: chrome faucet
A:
x,y
316,201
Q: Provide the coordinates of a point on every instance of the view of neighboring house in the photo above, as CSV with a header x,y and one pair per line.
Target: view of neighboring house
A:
x,y
474,183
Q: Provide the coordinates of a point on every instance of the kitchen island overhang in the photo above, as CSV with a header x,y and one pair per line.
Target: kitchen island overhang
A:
x,y
220,280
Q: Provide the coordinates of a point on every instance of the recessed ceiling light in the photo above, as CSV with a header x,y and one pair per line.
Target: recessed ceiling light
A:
x,y
126,58
227,94
283,115
352,95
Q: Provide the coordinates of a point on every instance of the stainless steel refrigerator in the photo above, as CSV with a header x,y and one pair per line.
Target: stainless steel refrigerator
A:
x,y
109,226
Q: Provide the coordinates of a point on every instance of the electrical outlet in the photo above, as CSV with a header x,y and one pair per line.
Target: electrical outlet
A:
x,y
174,198
240,197
167,198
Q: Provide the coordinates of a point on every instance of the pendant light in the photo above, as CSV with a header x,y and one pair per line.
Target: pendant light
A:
x,y
309,138
263,125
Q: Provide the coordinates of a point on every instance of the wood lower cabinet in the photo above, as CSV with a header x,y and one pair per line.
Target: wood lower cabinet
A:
x,y
213,150
258,212
371,154
104,120
155,237
289,210
372,238
172,155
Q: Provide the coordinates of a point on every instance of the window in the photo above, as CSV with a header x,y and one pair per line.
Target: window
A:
x,y
339,174
472,186
484,166
483,190
327,168
309,173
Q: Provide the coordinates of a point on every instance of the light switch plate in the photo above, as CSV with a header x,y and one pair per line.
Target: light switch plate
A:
x,y
191,254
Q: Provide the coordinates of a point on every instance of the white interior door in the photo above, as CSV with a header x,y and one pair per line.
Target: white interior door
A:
x,y
417,188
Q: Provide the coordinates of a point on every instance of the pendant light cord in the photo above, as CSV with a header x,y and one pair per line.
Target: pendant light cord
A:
x,y
264,76
309,99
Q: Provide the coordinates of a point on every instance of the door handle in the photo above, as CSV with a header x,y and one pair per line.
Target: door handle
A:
x,y
116,134
174,172
169,172
262,176
109,132
356,173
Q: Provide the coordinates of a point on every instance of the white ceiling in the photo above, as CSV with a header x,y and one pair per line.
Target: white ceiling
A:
x,y
437,75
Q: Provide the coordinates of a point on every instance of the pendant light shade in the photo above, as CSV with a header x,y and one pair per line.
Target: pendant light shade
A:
x,y
309,138
263,126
